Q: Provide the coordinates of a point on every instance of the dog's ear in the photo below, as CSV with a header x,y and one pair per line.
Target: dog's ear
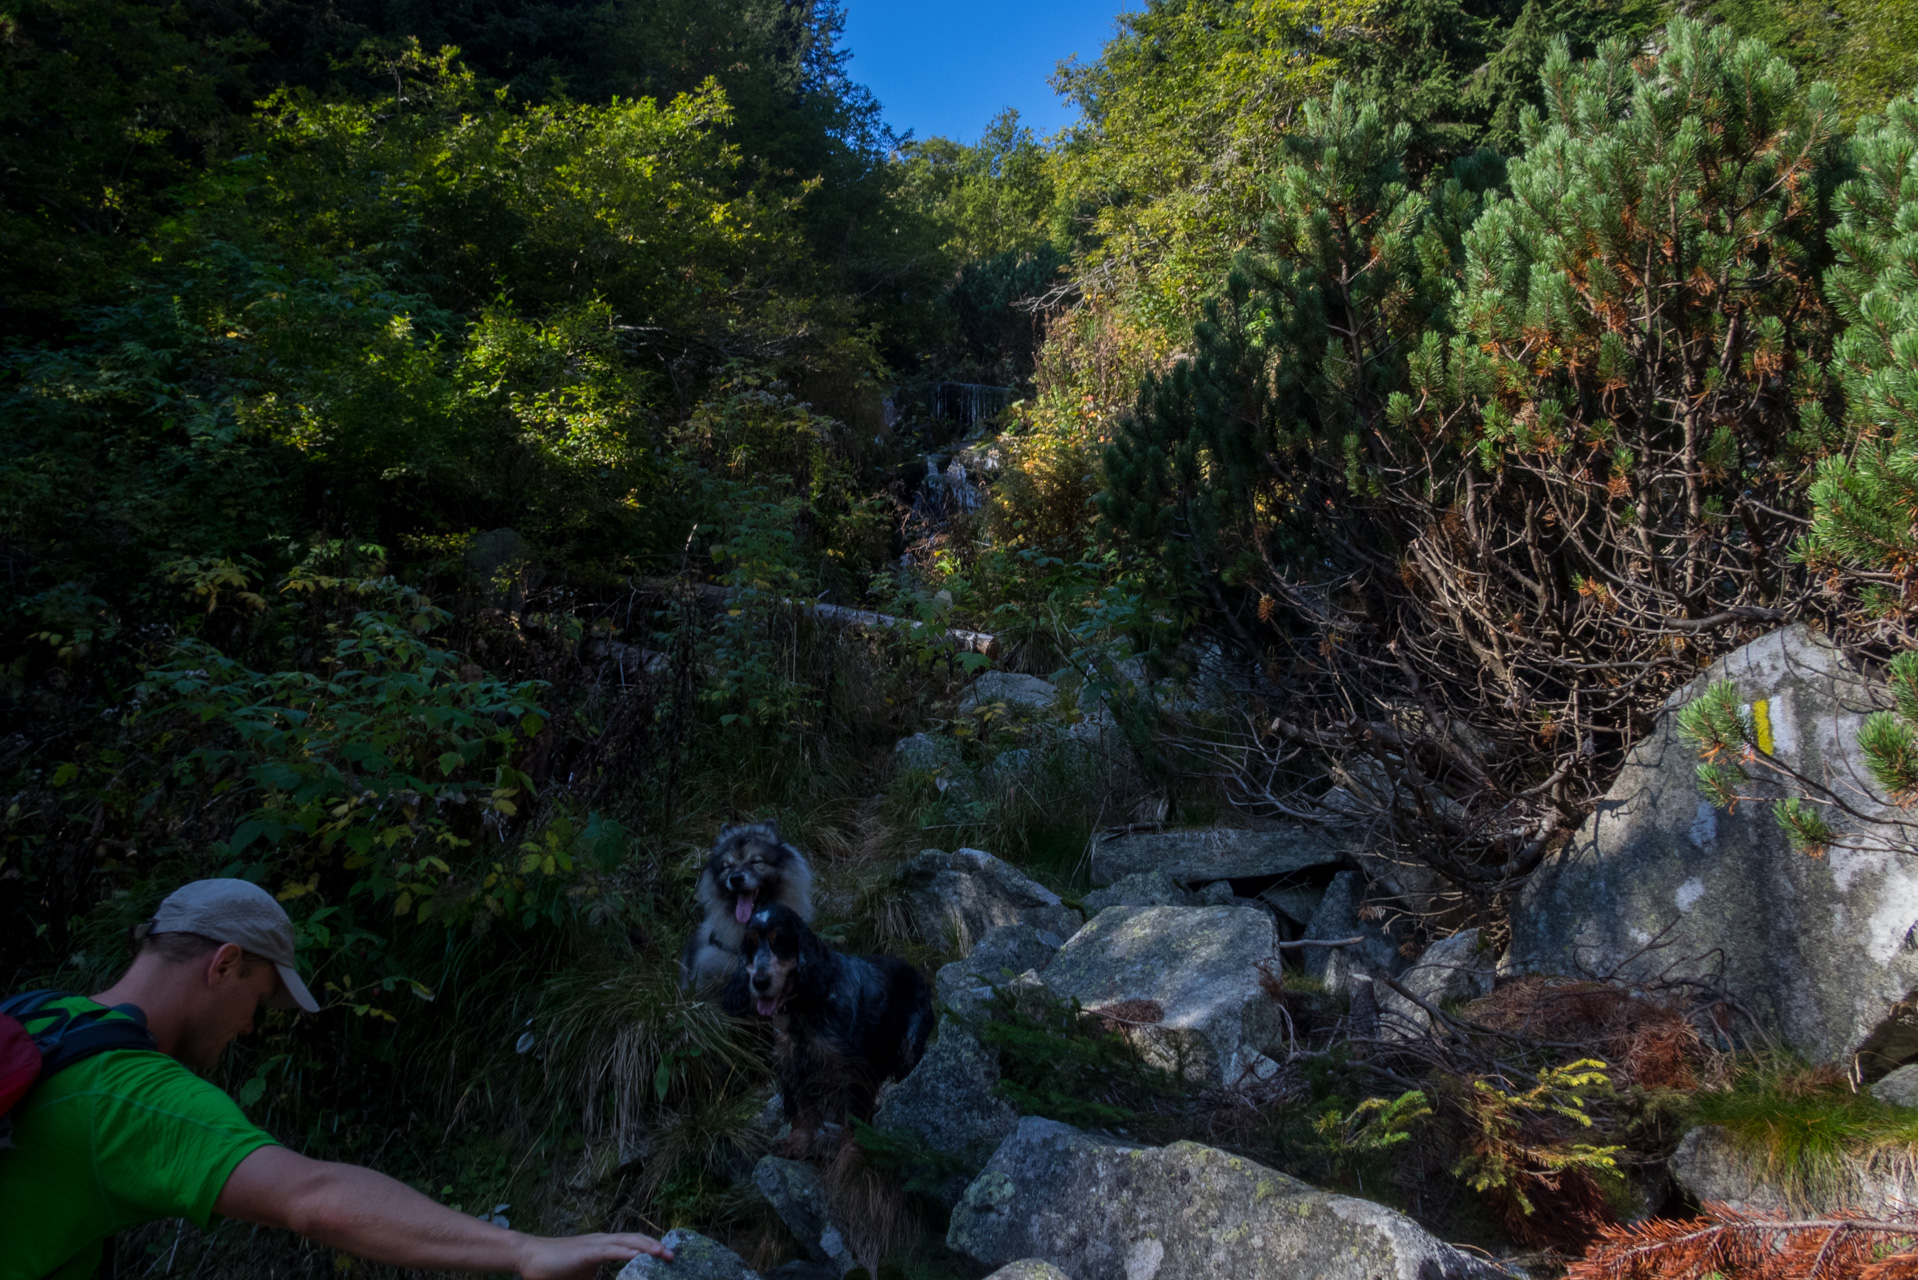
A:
x,y
726,833
814,970
736,999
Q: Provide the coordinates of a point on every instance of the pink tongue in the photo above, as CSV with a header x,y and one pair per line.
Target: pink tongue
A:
x,y
743,907
767,1008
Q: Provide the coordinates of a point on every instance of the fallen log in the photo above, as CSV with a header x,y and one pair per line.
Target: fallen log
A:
x,y
717,597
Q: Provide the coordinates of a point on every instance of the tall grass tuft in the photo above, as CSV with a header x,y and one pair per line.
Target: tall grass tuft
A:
x,y
669,1076
1807,1131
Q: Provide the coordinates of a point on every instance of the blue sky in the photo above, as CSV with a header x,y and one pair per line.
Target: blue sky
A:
x,y
943,67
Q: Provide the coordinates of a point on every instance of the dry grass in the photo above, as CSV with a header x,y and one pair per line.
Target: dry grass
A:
x,y
870,1206
1644,1041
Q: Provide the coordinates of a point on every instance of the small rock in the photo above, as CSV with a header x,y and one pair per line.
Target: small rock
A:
x,y
1028,693
1900,1088
1140,889
937,758
1100,1209
947,1104
1344,969
1006,951
803,1270
1029,1269
1215,853
1296,902
794,1191
955,899
694,1258
1006,769
1711,1165
922,753
1198,965
1453,968
1217,894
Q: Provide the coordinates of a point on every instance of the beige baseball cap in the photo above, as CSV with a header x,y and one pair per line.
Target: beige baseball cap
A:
x,y
242,913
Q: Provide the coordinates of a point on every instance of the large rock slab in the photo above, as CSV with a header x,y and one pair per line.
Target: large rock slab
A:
x,y
947,1104
1100,1209
694,1258
1711,1165
796,1195
1204,854
1006,951
1821,949
1341,913
1029,1269
1456,968
955,899
1197,968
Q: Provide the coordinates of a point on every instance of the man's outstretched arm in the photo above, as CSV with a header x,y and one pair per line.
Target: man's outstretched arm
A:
x,y
383,1220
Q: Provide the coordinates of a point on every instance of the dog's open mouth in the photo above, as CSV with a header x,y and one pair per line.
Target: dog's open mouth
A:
x,y
766,1006
743,905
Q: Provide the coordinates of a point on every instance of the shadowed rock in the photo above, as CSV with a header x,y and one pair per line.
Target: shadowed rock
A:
x,y
694,1258
1005,952
794,1191
1015,690
1214,853
1099,1209
1454,968
955,899
1344,970
947,1104
1141,889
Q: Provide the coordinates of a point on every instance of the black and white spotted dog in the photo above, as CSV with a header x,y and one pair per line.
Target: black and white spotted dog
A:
x,y
749,867
845,1024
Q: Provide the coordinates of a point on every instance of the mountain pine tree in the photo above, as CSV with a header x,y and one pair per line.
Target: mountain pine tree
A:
x,y
1521,461
1862,504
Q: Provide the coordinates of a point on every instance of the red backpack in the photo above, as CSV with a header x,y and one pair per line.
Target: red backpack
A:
x,y
36,1041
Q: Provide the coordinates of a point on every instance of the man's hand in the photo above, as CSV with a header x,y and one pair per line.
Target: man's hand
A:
x,y
577,1257
369,1214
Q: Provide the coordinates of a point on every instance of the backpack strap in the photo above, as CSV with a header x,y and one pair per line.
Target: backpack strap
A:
x,y
66,1036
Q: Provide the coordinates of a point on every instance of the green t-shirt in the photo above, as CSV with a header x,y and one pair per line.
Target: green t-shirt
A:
x,y
114,1140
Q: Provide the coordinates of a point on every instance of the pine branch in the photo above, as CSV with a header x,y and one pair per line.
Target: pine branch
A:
x,y
1749,1246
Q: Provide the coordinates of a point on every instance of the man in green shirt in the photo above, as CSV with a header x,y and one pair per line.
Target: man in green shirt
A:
x,y
129,1136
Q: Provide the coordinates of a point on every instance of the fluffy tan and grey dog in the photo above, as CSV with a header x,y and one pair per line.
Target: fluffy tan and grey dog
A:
x,y
750,867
